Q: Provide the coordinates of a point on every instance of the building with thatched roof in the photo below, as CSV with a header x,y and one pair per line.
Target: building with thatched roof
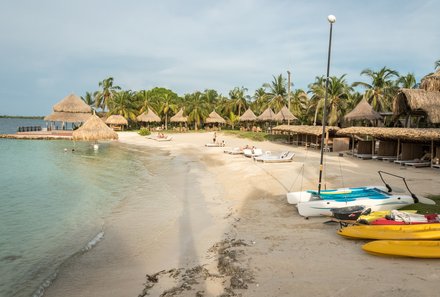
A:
x,y
304,129
215,118
71,109
284,115
431,82
179,118
248,116
267,115
116,122
148,117
94,129
407,134
417,102
363,111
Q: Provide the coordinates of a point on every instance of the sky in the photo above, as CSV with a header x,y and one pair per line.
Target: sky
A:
x,y
50,48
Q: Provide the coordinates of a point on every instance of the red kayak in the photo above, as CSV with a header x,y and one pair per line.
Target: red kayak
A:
x,y
430,219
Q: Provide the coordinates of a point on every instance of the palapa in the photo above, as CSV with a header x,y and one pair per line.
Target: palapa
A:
x,y
116,119
363,111
248,116
304,129
285,115
215,118
179,118
94,129
70,109
431,82
148,117
412,134
267,115
410,101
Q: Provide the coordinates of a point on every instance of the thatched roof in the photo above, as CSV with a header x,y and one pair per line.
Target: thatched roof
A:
x,y
94,129
284,115
416,134
412,100
431,82
363,111
148,117
179,118
214,118
116,119
267,115
248,116
68,117
72,103
304,129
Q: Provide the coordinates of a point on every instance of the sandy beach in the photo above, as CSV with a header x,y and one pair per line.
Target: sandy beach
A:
x,y
241,237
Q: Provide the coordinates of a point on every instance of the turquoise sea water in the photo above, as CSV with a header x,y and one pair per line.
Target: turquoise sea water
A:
x,y
53,202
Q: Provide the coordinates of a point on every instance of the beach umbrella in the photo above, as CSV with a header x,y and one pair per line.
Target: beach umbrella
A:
x,y
71,109
285,115
148,117
431,82
179,118
116,119
94,129
267,115
248,116
215,118
363,111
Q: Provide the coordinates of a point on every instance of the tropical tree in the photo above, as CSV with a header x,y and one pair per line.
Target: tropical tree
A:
x,y
277,92
89,99
197,108
233,119
108,90
239,100
407,82
260,100
167,107
298,104
382,88
123,103
145,100
437,64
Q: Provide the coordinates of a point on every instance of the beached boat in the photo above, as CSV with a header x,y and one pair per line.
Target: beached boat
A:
x,y
404,248
392,232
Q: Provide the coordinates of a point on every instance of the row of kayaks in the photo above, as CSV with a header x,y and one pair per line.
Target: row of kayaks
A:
x,y
419,238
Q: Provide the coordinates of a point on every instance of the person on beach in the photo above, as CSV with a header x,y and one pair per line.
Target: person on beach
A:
x,y
214,138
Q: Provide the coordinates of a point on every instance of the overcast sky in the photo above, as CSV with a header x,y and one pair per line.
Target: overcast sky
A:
x,y
50,49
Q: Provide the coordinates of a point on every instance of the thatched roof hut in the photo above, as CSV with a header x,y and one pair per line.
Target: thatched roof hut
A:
x,y
94,129
267,115
413,101
431,82
411,134
304,129
363,111
179,118
215,118
248,116
70,109
116,119
285,115
148,117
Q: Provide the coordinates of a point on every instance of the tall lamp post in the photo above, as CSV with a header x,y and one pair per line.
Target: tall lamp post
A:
x,y
331,19
288,93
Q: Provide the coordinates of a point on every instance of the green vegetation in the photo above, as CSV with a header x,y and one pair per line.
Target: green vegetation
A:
x,y
379,88
426,209
144,132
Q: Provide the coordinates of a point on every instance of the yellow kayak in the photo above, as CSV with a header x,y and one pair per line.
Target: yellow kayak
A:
x,y
379,214
397,232
404,248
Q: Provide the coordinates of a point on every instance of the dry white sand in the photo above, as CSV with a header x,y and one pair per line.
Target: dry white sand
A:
x,y
244,239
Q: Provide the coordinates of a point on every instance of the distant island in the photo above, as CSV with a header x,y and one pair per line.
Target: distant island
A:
x,y
21,117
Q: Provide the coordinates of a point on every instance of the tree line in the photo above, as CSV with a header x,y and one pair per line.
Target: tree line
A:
x,y
379,90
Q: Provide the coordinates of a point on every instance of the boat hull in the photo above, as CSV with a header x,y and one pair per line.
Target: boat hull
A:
x,y
404,248
393,232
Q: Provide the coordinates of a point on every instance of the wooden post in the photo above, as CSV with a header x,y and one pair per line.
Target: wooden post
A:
x,y
398,149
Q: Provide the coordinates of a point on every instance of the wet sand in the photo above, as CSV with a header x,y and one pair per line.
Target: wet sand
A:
x,y
241,238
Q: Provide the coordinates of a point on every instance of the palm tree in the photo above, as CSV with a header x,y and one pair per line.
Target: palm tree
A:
x,y
382,89
233,119
437,64
298,104
146,100
197,108
317,88
89,99
123,103
239,100
277,92
260,100
167,106
407,82
108,91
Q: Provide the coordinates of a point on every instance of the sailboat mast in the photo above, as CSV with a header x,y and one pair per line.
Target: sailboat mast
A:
x,y
331,20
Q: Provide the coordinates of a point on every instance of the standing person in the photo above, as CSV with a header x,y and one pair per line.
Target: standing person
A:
x,y
214,138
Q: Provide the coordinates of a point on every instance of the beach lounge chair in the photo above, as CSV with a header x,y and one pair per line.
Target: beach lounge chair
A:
x,y
214,145
364,156
269,158
233,151
250,153
418,164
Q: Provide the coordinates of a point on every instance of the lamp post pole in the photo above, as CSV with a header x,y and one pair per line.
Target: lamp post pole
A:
x,y
331,19
288,93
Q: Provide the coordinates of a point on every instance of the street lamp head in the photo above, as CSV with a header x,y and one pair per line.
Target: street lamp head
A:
x,y
331,18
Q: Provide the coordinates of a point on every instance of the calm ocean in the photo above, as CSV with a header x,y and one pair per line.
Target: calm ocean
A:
x,y
53,203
